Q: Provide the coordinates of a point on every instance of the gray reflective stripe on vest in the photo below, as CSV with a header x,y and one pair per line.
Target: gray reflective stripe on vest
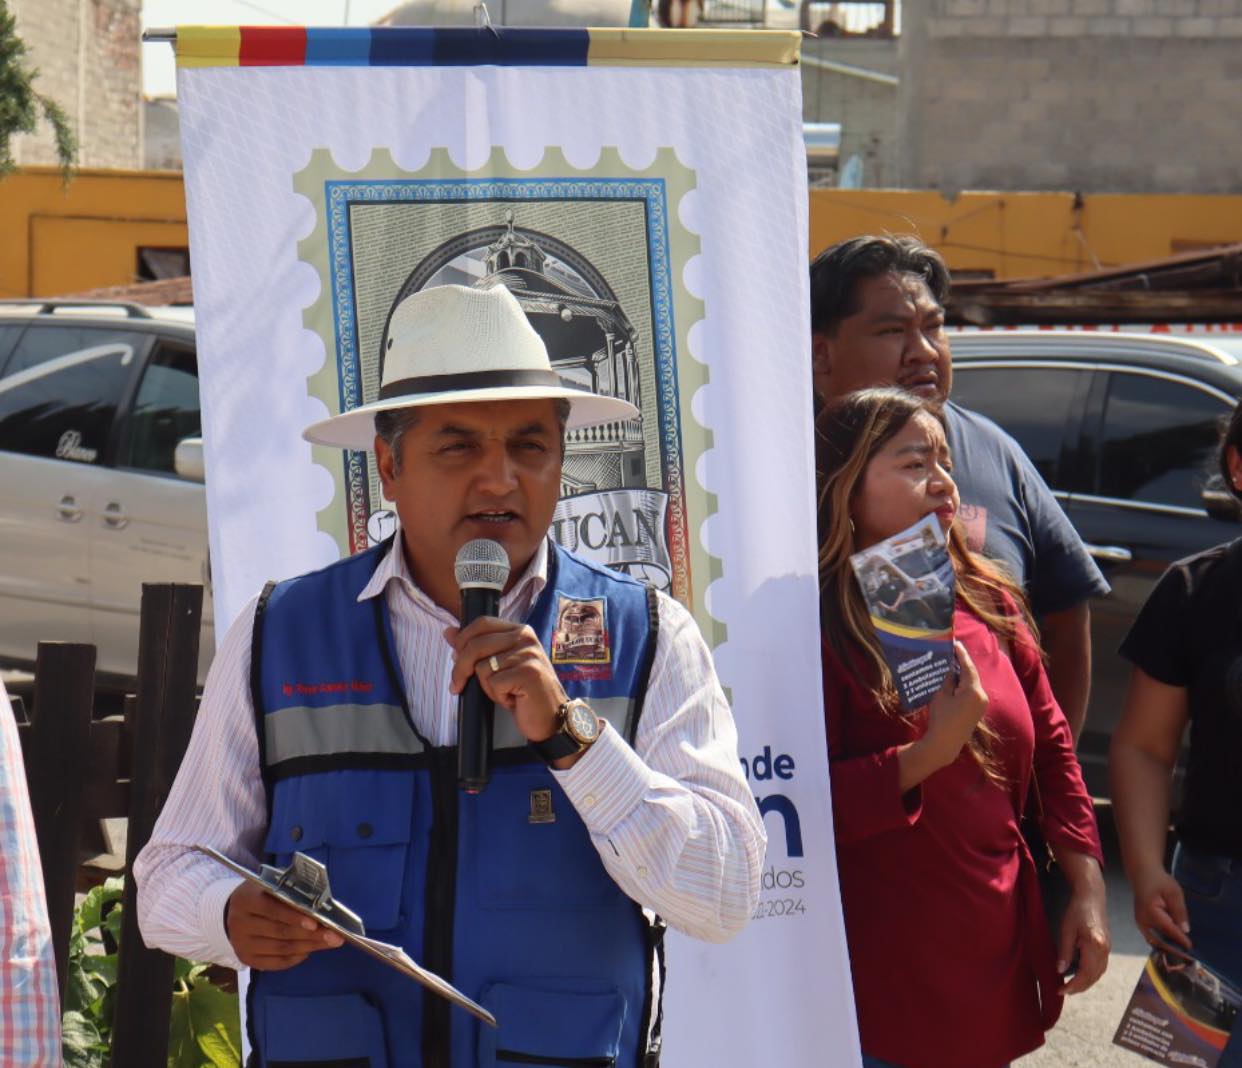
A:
x,y
616,710
307,732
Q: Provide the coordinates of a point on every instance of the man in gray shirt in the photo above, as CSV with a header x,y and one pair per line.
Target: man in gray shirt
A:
x,y
877,319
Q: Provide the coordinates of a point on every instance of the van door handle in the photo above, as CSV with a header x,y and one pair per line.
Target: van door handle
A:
x,y
114,516
1112,554
68,510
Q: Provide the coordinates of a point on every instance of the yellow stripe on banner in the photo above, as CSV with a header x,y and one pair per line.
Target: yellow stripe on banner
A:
x,y
208,46
694,48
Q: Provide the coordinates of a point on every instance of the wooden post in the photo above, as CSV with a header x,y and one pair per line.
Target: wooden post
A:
x,y
163,719
57,755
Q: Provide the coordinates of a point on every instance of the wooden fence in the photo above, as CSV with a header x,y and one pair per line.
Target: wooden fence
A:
x,y
81,770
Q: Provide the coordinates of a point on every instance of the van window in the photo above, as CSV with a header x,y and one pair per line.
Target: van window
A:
x,y
9,333
50,341
1031,403
165,410
63,405
1159,440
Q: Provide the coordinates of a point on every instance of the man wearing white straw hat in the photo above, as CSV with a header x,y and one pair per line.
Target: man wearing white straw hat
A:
x,y
329,726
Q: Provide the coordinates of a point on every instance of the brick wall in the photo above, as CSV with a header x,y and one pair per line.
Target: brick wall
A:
x,y
1090,95
87,55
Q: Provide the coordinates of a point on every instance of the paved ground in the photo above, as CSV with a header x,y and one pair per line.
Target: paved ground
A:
x,y
1083,1037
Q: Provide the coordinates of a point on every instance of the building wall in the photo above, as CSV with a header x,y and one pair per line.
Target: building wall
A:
x,y
1019,235
161,134
1089,95
862,99
88,235
87,56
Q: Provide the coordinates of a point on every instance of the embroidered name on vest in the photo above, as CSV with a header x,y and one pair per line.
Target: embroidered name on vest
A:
x,y
309,689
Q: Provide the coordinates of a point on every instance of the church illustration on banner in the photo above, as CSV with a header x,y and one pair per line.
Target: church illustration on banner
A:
x,y
608,512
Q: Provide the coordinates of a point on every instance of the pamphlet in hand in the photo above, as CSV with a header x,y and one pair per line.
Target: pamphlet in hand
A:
x,y
1181,1012
907,582
304,886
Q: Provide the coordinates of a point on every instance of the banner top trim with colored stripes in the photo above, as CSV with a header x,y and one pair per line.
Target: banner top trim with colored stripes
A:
x,y
406,46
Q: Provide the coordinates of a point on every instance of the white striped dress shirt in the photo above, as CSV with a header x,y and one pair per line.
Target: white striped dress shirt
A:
x,y
673,818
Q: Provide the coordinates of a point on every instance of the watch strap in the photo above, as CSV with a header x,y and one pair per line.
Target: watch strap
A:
x,y
565,741
558,746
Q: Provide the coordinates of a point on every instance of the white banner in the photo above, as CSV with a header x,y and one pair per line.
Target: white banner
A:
x,y
652,221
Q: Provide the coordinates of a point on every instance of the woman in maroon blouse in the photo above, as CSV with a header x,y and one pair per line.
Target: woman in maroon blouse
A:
x,y
952,961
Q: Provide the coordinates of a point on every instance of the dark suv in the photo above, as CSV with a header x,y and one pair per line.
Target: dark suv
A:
x,y
1124,428
100,474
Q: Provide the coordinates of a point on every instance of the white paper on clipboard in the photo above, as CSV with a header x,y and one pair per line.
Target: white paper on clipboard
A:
x,y
393,956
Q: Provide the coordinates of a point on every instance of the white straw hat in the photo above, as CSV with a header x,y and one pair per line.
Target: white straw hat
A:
x,y
452,344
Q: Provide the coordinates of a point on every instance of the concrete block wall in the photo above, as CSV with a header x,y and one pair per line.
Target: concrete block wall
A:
x,y
866,108
1089,95
161,135
87,56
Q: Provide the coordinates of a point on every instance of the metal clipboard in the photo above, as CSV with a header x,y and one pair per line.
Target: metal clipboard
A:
x,y
304,886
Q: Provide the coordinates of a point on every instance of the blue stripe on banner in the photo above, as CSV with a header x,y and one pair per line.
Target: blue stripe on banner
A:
x,y
510,47
402,46
338,47
460,46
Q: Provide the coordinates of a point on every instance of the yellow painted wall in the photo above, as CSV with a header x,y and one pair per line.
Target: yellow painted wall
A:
x,y
1016,235
59,239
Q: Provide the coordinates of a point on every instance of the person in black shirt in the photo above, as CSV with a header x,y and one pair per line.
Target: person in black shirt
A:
x,y
1186,648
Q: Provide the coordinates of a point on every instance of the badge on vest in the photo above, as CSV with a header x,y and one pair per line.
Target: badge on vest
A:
x,y
581,633
541,807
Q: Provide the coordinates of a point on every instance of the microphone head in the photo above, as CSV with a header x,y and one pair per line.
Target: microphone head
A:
x,y
481,562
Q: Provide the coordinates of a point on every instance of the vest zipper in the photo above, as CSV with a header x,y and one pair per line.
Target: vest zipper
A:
x,y
440,898
514,1057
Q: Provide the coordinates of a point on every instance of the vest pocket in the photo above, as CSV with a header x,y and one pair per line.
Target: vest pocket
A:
x,y
335,1031
551,1028
358,826
510,1057
350,1062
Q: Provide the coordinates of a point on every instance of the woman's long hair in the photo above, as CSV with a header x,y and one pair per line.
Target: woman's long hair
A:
x,y
849,433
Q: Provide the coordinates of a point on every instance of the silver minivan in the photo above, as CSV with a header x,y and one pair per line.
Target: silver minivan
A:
x,y
100,475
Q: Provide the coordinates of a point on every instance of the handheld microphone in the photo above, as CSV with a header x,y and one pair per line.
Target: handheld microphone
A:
x,y
482,569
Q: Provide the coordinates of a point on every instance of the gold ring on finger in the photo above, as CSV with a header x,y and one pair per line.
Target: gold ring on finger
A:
x,y
494,664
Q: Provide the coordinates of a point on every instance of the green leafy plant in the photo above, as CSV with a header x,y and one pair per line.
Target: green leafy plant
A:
x,y
21,105
204,1030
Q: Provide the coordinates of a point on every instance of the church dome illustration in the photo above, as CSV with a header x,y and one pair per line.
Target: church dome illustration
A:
x,y
591,341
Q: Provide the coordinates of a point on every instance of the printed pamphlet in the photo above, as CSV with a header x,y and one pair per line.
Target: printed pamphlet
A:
x,y
907,582
1181,1012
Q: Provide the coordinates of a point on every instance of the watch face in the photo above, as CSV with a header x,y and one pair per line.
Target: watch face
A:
x,y
581,723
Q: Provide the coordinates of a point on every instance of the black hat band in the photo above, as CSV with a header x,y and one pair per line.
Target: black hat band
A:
x,y
467,380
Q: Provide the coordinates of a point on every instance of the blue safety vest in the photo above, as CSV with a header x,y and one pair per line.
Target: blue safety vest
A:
x,y
502,893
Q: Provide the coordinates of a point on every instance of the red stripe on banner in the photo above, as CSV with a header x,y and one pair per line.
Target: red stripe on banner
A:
x,y
272,46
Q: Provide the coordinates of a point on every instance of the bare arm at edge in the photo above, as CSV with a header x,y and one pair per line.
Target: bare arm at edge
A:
x,y
1140,764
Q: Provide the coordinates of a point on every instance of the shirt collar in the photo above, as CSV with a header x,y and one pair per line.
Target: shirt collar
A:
x,y
393,568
